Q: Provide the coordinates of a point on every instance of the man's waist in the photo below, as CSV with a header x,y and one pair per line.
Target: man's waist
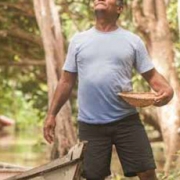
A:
x,y
101,121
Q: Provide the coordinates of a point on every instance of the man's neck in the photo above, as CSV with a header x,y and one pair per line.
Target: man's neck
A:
x,y
105,26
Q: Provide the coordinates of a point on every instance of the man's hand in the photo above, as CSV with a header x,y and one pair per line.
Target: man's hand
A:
x,y
159,84
49,128
61,95
163,97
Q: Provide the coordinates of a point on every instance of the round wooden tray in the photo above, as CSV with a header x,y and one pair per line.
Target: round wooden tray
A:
x,y
138,99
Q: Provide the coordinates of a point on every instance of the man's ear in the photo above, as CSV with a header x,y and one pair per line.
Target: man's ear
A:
x,y
119,9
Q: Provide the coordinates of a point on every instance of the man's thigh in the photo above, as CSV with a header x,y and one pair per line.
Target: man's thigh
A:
x,y
97,155
133,147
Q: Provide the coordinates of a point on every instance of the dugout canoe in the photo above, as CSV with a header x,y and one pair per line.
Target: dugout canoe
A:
x,y
8,170
65,168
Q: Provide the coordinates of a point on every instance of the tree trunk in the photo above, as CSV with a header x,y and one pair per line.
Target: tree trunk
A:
x,y
152,22
167,2
49,25
179,17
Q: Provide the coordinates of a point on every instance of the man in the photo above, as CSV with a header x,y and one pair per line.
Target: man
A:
x,y
103,58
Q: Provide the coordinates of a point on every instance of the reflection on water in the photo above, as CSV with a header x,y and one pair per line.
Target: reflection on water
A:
x,y
23,148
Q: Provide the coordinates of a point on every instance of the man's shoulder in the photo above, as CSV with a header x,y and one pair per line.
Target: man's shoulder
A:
x,y
82,36
130,34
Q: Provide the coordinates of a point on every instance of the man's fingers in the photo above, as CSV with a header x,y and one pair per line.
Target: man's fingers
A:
x,y
159,93
46,135
161,99
49,127
49,134
161,96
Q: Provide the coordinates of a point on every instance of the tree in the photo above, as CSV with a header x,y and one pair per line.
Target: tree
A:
x,y
179,16
48,21
151,21
167,2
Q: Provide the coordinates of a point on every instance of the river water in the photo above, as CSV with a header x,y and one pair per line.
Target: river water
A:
x,y
27,149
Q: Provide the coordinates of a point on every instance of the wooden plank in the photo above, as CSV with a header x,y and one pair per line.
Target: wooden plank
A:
x,y
37,178
4,165
66,173
77,175
74,156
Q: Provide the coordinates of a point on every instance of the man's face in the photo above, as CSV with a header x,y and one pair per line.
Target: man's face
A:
x,y
108,6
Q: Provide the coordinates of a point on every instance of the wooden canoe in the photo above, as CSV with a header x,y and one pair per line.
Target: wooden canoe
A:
x,y
65,168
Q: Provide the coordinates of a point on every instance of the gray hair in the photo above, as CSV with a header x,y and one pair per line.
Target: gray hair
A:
x,y
119,2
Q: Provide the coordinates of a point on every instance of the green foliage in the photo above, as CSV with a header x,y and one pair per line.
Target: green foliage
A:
x,y
19,107
23,86
173,19
139,84
75,16
173,24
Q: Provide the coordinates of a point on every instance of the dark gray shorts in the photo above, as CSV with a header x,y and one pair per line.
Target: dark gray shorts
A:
x,y
131,142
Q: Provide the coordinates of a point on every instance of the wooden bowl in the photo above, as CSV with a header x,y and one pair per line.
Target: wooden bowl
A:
x,y
143,99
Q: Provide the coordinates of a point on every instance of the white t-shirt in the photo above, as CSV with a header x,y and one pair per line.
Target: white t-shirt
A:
x,y
104,62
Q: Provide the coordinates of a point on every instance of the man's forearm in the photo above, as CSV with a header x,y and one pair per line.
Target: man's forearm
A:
x,y
159,82
156,80
160,85
62,93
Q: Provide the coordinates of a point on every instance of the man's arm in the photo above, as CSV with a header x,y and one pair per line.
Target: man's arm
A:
x,y
159,84
62,93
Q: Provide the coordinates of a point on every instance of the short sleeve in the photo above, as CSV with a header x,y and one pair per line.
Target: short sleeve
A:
x,y
70,62
143,62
